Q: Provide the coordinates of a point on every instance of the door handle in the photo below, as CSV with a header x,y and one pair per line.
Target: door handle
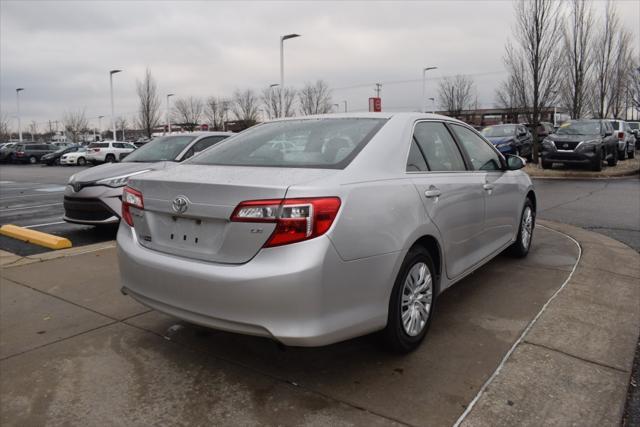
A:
x,y
431,193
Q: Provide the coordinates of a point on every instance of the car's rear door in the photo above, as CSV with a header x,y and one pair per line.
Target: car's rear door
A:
x,y
500,188
452,195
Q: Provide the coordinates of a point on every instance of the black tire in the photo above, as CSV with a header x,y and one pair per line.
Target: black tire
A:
x,y
57,161
613,160
520,248
597,163
394,335
81,161
632,154
110,158
622,154
546,164
33,160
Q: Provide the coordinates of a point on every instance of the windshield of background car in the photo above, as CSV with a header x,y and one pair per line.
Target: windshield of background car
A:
x,y
498,131
579,128
305,143
616,125
634,125
161,149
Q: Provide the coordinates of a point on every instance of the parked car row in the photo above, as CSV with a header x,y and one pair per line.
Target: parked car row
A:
x,y
589,143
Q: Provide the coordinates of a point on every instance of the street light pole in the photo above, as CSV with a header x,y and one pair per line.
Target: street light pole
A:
x,y
18,90
113,118
345,105
100,126
282,39
423,101
169,95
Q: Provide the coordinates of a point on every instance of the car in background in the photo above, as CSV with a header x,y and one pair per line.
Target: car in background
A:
x,y
510,139
93,196
581,142
635,129
54,158
626,139
6,151
356,228
108,151
31,153
77,157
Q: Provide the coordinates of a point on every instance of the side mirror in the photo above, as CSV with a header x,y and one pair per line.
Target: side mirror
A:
x,y
514,162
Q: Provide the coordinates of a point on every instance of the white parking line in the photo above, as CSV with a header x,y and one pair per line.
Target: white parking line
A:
x,y
42,225
506,357
29,207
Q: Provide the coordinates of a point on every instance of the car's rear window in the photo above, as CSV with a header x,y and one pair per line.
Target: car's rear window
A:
x,y
99,145
311,143
634,125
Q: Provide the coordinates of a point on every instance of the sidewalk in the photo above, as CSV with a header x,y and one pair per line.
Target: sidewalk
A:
x,y
573,366
74,351
624,168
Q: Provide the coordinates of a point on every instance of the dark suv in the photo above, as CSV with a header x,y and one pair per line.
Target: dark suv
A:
x,y
581,142
31,153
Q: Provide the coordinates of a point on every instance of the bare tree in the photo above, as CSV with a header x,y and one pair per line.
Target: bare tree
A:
x,y
245,106
617,99
121,124
271,101
75,123
578,52
149,103
456,94
605,50
635,87
315,98
188,112
5,134
33,129
214,112
534,61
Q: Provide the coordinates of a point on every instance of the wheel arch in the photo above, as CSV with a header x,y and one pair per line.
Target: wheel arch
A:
x,y
531,195
431,245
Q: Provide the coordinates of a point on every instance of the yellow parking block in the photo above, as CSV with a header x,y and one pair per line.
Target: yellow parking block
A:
x,y
36,237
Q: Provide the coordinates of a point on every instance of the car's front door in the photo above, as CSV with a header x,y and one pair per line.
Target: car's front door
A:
x,y
452,196
501,191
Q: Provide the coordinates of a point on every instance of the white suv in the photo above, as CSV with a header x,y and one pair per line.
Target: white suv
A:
x,y
626,139
108,151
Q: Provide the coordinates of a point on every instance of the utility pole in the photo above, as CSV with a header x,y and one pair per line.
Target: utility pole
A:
x,y
18,90
378,89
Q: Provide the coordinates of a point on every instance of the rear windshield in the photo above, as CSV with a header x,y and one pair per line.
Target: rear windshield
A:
x,y
633,125
311,143
164,148
616,125
99,145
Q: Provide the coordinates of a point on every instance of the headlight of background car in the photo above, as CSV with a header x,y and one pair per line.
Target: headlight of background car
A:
x,y
119,181
547,143
587,146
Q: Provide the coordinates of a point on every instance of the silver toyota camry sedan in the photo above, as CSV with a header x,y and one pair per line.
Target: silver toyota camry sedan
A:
x,y
318,229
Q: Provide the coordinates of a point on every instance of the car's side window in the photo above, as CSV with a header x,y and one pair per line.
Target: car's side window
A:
x,y
416,162
482,156
439,148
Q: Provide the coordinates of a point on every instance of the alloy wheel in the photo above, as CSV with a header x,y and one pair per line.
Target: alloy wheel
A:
x,y
526,226
417,294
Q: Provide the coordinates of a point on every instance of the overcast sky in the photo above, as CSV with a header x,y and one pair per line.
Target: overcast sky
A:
x,y
61,52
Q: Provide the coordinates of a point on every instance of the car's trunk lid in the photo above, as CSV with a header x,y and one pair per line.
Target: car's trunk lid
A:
x,y
201,229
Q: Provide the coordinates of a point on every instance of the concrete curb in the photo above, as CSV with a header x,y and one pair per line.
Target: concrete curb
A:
x,y
8,259
540,174
572,364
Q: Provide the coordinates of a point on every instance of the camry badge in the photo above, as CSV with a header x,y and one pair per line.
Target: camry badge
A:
x,y
180,204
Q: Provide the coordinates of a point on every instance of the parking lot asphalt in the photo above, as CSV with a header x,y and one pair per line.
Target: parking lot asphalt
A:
x,y
31,196
75,351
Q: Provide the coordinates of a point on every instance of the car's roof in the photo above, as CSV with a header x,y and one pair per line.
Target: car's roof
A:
x,y
368,115
198,133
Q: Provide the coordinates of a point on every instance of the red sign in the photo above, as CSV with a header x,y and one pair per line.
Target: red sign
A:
x,y
375,104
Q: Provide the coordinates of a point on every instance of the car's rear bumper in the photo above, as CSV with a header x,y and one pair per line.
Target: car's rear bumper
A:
x,y
301,294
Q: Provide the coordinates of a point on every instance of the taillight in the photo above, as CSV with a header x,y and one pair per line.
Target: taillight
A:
x,y
296,219
130,198
620,135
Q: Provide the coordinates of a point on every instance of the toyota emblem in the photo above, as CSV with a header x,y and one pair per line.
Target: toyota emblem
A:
x,y
565,146
180,204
